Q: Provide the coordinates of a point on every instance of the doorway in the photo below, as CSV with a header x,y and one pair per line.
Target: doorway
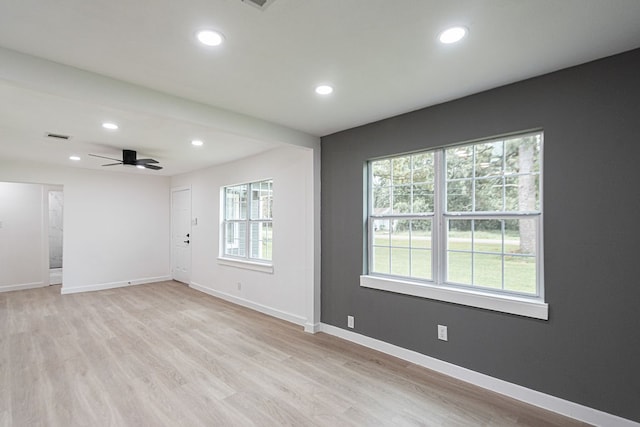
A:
x,y
181,234
55,208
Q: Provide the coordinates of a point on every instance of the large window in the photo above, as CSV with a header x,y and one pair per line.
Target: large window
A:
x,y
247,225
466,217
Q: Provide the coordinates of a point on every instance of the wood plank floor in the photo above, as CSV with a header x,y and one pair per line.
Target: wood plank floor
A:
x,y
166,355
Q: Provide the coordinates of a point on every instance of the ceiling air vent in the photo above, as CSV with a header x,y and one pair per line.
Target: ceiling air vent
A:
x,y
260,4
58,136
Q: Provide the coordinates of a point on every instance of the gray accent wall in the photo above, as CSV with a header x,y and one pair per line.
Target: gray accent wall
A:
x,y
588,351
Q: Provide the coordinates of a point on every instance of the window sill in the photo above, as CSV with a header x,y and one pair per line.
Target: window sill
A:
x,y
471,298
247,265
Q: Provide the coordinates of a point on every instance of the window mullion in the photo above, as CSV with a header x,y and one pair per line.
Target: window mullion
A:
x,y
438,247
247,236
369,219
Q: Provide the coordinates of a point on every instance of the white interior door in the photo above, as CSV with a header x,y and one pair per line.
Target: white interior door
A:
x,y
181,235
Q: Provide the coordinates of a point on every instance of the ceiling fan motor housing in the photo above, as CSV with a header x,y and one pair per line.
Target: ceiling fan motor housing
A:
x,y
129,157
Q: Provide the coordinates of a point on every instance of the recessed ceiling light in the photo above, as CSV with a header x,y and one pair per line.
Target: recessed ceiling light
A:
x,y
452,35
110,126
210,37
324,90
197,143
74,158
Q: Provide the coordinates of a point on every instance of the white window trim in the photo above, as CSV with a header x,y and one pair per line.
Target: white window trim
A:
x,y
246,262
247,265
534,306
473,298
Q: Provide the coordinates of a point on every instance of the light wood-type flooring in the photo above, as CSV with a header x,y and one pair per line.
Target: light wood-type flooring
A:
x,y
163,354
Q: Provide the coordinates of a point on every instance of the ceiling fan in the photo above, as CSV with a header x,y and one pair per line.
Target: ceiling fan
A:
x,y
129,157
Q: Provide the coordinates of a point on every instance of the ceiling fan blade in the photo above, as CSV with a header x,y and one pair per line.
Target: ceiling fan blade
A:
x,y
113,164
145,161
154,167
103,157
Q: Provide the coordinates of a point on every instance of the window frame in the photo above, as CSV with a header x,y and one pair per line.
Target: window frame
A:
x,y
246,261
438,288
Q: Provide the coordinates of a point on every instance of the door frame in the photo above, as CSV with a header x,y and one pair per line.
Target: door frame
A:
x,y
173,191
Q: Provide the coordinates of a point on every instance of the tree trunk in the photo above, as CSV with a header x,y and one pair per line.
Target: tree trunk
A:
x,y
526,196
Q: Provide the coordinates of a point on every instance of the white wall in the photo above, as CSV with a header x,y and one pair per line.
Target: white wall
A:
x,y
116,225
285,293
21,236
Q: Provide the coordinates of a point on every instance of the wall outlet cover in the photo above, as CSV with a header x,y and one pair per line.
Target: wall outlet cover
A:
x,y
442,333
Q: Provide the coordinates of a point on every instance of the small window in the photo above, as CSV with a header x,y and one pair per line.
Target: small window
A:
x,y
248,221
462,217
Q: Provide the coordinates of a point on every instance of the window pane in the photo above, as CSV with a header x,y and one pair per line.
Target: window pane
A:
x,y
235,239
459,267
381,261
421,264
527,193
459,196
520,236
512,198
487,270
401,199
261,199
381,200
459,162
421,234
400,233
523,154
488,158
489,196
487,235
260,240
254,202
401,170
236,202
400,258
459,235
381,174
423,168
422,198
381,232
520,274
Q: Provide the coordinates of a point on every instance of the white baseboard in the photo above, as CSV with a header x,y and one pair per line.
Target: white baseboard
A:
x,y
112,285
23,286
289,317
532,397
312,328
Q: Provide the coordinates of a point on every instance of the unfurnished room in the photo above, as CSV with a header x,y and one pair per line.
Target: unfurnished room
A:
x,y
319,213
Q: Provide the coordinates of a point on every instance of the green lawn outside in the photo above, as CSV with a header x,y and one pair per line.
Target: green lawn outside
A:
x,y
415,260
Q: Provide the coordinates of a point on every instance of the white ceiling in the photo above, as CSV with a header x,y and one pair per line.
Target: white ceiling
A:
x,y
382,57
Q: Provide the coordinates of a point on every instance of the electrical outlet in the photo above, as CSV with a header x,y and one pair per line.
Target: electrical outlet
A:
x,y
442,333
350,321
